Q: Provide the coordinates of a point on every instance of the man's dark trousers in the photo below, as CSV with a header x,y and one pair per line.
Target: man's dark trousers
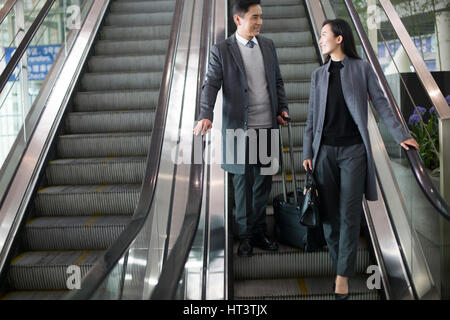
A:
x,y
340,173
251,193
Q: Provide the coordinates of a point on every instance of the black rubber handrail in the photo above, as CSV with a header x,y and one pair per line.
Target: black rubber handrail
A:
x,y
6,9
172,271
105,264
421,175
23,46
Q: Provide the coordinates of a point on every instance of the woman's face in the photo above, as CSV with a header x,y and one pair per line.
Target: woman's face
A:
x,y
328,42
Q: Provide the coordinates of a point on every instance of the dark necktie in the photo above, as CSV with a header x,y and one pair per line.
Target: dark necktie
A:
x,y
250,44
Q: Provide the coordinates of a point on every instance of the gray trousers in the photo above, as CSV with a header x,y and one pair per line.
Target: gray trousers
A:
x,y
251,193
340,174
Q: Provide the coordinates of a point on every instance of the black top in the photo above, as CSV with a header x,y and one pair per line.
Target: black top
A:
x,y
339,128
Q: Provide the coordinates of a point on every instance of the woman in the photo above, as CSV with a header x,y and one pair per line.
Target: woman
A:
x,y
336,143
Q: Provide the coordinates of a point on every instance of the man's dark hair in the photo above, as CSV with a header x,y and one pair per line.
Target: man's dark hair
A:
x,y
240,7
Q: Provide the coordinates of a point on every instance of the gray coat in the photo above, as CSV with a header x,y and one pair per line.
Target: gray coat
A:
x,y
226,70
358,79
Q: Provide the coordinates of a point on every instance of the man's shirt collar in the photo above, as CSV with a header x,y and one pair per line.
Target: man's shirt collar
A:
x,y
243,40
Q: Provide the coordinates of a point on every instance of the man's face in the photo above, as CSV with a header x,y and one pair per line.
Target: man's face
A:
x,y
249,25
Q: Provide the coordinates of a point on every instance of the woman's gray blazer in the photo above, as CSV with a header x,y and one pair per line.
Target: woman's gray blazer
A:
x,y
358,79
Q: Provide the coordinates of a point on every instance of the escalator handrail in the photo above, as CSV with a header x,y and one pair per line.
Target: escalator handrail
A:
x,y
6,9
24,44
106,263
421,175
168,282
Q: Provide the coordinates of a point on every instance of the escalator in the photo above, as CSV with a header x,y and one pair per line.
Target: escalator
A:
x,y
292,273
93,178
174,239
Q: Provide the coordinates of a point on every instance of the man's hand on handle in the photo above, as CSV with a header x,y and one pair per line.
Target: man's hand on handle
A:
x,y
280,118
202,126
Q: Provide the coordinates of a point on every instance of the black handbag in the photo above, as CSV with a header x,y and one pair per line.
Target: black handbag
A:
x,y
310,214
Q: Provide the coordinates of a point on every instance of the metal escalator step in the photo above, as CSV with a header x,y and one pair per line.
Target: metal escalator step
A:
x,y
73,233
297,90
135,33
116,100
139,19
142,6
35,295
87,200
113,170
291,262
298,129
103,145
288,39
300,289
280,2
297,54
110,121
114,47
285,25
287,11
298,110
297,71
136,62
120,80
47,270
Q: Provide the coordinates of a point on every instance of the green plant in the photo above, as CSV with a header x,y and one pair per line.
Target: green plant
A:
x,y
427,135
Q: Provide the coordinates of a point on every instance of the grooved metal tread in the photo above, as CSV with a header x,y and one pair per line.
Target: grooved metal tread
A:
x,y
311,288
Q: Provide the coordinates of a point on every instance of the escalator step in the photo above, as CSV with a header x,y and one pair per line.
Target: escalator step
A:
x,y
35,295
135,33
154,63
110,121
103,145
73,233
113,170
297,71
289,39
297,90
114,47
300,289
304,54
116,100
120,80
285,25
290,262
288,11
142,6
87,200
298,110
47,270
139,19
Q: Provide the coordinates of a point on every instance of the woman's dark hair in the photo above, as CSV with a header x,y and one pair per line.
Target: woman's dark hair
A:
x,y
341,27
240,7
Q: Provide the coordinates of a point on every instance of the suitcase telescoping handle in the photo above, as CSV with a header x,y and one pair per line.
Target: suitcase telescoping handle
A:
x,y
291,153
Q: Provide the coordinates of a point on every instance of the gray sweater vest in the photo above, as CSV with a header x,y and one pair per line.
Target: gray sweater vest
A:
x,y
259,107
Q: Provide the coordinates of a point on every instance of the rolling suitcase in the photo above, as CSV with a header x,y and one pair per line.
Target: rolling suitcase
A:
x,y
287,208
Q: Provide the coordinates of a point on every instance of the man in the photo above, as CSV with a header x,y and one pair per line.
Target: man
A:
x,y
246,67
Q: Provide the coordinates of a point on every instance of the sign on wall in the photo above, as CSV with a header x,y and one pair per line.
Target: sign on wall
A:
x,y
40,60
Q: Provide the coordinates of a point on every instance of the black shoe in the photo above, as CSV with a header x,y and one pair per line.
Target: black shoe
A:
x,y
340,296
263,242
245,248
